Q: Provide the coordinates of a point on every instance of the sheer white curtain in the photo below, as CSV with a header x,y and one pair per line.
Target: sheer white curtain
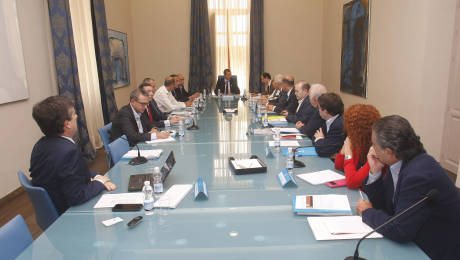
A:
x,y
229,22
87,67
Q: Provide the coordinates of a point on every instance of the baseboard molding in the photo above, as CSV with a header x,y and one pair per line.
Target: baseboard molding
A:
x,y
12,195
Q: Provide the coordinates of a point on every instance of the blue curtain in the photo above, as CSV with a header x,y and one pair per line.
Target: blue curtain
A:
x,y
67,70
101,44
256,63
201,67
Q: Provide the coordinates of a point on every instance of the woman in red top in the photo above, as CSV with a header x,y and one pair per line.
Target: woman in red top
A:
x,y
352,158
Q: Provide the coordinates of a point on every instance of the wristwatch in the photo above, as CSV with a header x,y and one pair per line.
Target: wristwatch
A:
x,y
348,157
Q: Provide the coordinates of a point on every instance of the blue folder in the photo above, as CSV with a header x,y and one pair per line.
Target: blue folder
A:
x,y
304,151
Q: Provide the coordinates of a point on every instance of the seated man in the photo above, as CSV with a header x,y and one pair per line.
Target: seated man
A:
x,y
153,112
304,110
165,100
402,173
132,122
312,124
330,137
179,92
290,103
56,163
273,98
227,85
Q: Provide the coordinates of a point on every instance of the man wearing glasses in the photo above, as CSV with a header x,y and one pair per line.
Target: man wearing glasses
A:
x,y
134,123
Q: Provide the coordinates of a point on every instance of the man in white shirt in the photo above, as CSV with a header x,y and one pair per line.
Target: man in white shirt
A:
x,y
165,100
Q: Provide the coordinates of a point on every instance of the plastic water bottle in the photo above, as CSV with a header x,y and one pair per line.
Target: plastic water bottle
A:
x,y
181,128
277,137
259,113
218,93
290,160
204,93
148,195
157,182
265,123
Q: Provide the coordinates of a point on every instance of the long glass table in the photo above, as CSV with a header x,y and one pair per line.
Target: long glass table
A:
x,y
245,217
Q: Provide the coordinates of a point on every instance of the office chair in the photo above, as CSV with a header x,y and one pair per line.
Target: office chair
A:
x,y
118,148
104,132
45,211
14,238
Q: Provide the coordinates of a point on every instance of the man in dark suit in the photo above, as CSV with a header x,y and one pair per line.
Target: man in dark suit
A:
x,y
290,103
179,92
156,117
401,173
330,137
273,98
311,125
304,110
56,163
266,87
132,122
227,85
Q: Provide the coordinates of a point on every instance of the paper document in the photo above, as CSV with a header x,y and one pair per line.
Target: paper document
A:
x,y
230,110
149,154
328,202
285,143
287,130
173,196
246,164
181,113
320,177
263,131
157,141
344,227
110,200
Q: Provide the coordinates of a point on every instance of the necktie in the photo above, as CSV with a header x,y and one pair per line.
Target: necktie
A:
x,y
150,113
227,87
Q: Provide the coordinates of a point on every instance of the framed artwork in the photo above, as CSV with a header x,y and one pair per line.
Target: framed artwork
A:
x,y
119,55
355,48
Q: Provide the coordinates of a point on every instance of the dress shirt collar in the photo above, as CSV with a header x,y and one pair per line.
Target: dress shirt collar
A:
x,y
136,115
300,103
289,92
68,138
330,121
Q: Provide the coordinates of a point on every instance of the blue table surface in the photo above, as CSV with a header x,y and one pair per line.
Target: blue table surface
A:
x,y
246,216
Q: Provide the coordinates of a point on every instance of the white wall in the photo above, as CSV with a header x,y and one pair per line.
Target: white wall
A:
x,y
410,48
293,38
19,132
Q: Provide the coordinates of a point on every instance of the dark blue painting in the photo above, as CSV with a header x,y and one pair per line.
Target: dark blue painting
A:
x,y
119,55
355,41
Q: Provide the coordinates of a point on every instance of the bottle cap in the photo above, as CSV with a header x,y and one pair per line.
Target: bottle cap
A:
x,y
156,169
146,183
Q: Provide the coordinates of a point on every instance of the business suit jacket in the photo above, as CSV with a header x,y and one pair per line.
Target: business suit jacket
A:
x,y
290,104
314,123
157,116
274,97
125,124
306,111
180,94
221,85
333,139
57,165
433,226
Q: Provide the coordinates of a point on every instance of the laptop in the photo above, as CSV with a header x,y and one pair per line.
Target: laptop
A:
x,y
136,181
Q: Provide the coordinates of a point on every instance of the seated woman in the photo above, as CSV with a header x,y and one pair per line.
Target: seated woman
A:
x,y
352,158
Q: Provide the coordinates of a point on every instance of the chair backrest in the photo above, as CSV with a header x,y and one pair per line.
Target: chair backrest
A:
x,y
118,148
45,211
104,132
222,76
14,238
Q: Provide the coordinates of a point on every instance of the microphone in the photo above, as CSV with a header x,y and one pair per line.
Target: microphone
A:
x,y
429,196
136,160
193,126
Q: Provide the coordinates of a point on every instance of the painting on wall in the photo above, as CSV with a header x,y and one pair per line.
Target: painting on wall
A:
x,y
119,55
355,46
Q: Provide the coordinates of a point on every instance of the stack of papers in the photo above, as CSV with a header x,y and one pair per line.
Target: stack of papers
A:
x,y
149,154
278,121
181,113
321,177
286,130
329,204
173,196
246,164
230,110
110,200
285,143
262,131
345,227
157,141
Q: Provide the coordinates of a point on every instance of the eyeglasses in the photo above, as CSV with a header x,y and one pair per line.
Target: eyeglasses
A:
x,y
142,103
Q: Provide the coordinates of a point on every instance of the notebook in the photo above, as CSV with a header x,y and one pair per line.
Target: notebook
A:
x,y
136,181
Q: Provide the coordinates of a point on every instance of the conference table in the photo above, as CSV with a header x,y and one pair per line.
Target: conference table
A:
x,y
245,216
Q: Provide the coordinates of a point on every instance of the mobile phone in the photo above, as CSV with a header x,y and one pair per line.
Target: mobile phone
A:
x,y
127,207
337,183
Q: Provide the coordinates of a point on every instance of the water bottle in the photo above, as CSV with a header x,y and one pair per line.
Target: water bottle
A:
x,y
277,137
218,93
157,182
265,119
204,93
148,195
290,160
259,114
181,128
